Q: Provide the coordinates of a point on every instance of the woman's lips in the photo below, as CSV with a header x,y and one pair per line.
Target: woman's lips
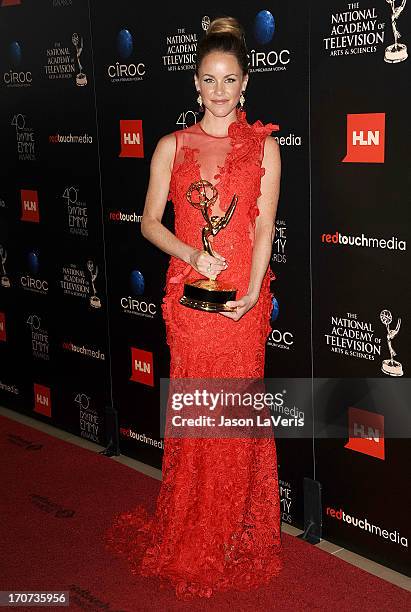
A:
x,y
220,101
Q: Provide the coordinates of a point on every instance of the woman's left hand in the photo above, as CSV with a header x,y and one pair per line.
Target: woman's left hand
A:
x,y
241,306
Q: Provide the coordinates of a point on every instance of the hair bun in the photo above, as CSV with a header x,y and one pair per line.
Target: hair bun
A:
x,y
226,35
226,25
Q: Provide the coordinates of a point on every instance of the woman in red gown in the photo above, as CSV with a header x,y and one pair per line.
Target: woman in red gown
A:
x,y
217,521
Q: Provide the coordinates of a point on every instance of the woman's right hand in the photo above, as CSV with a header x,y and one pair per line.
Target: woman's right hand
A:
x,y
206,264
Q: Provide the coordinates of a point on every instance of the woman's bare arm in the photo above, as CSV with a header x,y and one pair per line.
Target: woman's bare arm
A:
x,y
156,200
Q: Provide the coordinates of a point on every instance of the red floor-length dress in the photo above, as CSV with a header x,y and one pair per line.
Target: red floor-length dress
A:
x,y
217,520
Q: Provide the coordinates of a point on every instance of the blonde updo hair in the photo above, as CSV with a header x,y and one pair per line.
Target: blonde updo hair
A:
x,y
227,35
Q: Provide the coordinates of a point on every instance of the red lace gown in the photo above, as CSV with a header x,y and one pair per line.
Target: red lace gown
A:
x,y
217,520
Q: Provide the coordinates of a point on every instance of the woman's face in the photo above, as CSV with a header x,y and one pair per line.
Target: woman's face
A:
x,y
220,82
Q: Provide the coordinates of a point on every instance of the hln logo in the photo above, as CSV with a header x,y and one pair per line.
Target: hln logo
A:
x,y
366,432
27,205
42,400
30,205
365,138
131,138
371,434
142,366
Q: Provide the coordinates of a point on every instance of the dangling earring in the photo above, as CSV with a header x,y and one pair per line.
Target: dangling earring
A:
x,y
242,101
200,102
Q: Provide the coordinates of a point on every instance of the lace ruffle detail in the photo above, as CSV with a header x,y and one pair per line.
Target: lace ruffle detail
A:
x,y
247,148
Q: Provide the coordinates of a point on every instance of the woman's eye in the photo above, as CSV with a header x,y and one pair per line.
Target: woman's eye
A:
x,y
210,80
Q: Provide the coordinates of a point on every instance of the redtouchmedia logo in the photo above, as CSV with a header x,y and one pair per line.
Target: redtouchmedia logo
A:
x,y
142,366
393,243
365,525
118,215
365,138
366,432
131,137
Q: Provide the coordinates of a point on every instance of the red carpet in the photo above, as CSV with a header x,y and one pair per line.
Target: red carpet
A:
x,y
56,501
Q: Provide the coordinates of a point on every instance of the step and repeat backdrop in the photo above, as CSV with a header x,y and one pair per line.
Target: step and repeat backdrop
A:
x,y
360,93
87,90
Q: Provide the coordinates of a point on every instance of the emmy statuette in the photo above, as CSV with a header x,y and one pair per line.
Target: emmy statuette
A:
x,y
391,366
208,294
95,301
5,281
396,52
81,78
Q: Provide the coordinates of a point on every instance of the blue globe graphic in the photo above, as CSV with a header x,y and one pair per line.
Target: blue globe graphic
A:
x,y
15,52
137,282
264,26
33,261
124,43
274,312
